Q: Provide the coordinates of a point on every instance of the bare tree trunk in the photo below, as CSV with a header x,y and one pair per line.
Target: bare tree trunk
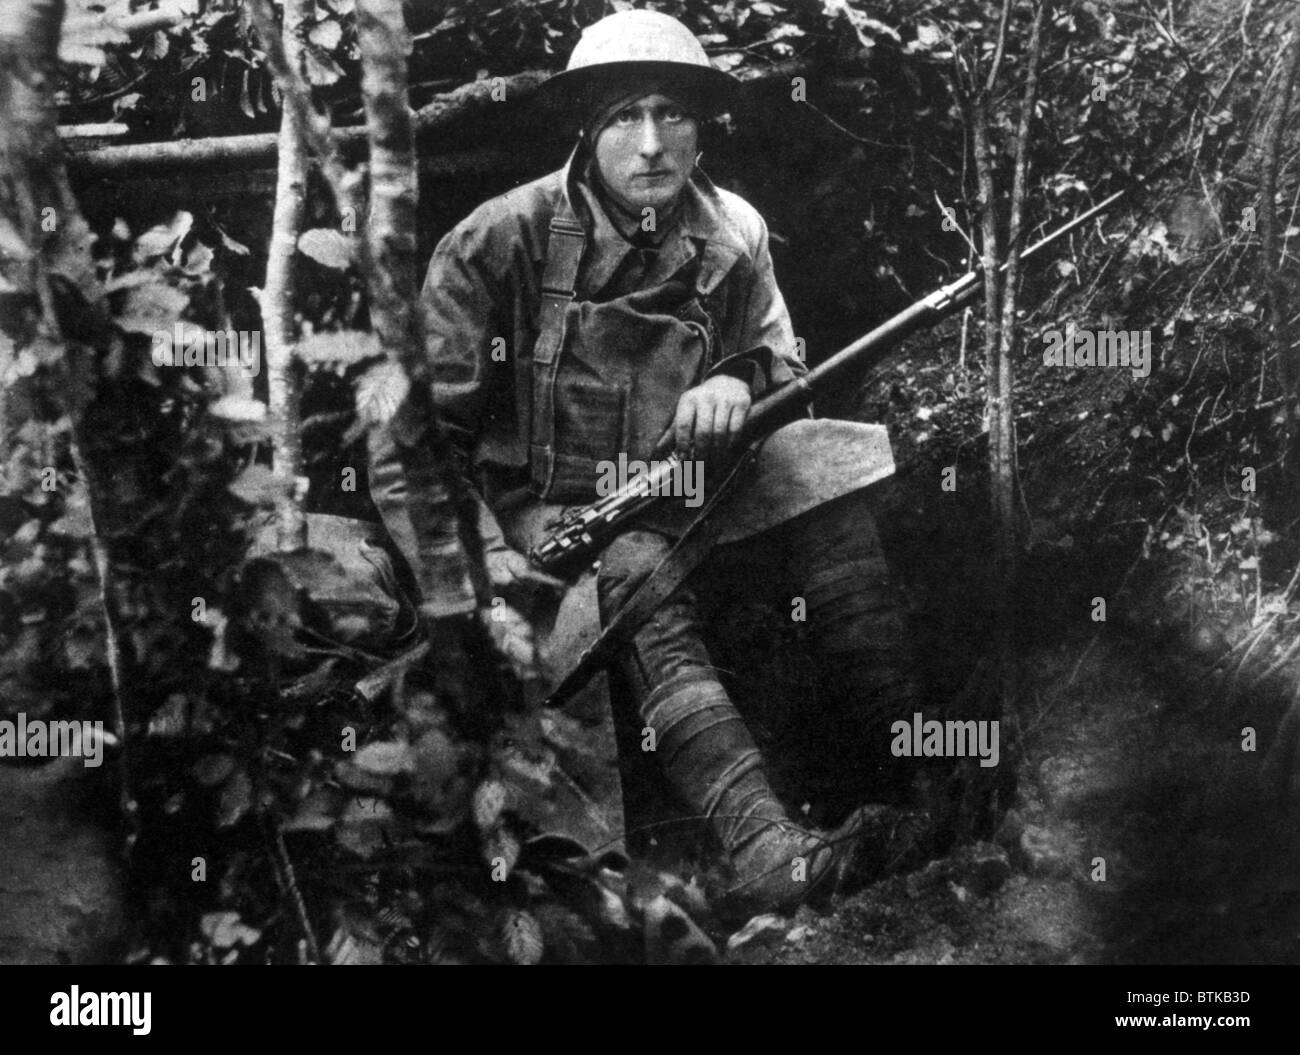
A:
x,y
1001,397
996,401
440,513
284,386
435,500
1000,330
32,177
46,235
1288,367
6,357
990,255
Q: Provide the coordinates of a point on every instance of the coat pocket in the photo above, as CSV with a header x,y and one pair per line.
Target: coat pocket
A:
x,y
590,427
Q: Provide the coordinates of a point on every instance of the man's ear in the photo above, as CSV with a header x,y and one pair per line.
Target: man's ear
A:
x,y
713,136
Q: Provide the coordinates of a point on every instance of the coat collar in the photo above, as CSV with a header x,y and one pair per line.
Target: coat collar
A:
x,y
701,229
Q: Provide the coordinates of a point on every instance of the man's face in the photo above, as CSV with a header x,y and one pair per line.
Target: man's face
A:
x,y
646,153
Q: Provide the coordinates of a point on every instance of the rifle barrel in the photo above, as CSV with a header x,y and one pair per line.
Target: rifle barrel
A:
x,y
886,337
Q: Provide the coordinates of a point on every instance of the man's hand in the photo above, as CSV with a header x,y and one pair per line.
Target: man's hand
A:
x,y
709,418
508,569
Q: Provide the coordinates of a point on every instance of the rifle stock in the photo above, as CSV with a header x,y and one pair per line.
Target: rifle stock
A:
x,y
585,531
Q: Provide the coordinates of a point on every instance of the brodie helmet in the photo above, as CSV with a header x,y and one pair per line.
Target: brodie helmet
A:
x,y
645,46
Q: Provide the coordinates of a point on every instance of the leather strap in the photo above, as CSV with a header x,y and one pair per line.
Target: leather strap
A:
x,y
685,556
564,250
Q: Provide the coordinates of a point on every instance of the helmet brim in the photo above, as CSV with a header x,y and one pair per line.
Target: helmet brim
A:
x,y
706,88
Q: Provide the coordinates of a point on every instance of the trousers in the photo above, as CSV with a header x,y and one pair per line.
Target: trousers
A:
x,y
830,559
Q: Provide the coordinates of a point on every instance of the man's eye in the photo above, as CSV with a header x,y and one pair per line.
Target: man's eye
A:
x,y
625,117
674,115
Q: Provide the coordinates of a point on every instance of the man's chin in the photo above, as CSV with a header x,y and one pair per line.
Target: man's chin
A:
x,y
658,200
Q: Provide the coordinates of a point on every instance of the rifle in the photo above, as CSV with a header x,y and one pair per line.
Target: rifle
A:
x,y
583,532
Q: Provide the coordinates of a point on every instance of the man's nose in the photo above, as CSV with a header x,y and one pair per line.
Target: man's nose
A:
x,y
651,141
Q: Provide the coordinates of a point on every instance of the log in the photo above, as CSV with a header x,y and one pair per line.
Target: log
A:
x,y
260,182
259,149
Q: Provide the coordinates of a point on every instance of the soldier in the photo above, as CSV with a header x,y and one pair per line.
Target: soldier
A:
x,y
638,312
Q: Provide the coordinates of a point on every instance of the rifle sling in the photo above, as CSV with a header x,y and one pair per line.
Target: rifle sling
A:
x,y
685,556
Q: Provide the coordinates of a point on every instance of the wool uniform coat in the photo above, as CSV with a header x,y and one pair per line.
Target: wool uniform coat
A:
x,y
481,300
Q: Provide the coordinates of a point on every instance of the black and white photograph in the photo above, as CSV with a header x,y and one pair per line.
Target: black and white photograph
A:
x,y
651,482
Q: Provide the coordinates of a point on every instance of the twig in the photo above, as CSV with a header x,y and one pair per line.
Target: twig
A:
x,y
1082,656
288,881
851,134
1254,543
379,679
952,215
1000,48
1277,664
1169,35
961,354
112,630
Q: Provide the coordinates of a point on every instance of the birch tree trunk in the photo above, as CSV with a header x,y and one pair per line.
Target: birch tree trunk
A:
x,y
284,384
435,501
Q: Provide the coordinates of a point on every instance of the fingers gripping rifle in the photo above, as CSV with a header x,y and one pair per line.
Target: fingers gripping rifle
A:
x,y
584,532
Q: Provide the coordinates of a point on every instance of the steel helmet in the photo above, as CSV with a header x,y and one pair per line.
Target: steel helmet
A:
x,y
640,42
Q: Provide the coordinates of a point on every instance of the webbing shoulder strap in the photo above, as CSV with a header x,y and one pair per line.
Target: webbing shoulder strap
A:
x,y
564,250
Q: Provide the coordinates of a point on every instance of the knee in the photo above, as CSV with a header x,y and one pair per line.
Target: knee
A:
x,y
626,563
839,532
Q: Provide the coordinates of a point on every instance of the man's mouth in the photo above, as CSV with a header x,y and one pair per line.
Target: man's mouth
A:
x,y
660,174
